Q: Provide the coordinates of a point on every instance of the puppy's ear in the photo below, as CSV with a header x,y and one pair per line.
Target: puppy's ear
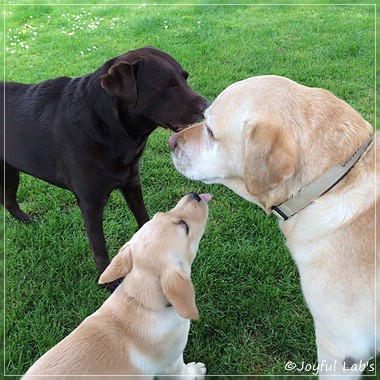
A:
x,y
119,267
179,291
120,82
270,157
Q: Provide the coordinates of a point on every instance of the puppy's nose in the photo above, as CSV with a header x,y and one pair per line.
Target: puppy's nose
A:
x,y
173,142
195,196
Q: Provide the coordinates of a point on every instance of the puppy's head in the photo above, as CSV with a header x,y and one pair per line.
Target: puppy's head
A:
x,y
267,137
158,258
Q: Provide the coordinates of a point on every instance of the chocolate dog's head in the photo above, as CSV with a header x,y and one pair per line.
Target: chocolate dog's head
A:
x,y
152,83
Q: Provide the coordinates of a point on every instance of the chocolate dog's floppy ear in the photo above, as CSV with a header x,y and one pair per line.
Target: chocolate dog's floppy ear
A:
x,y
119,267
120,82
270,157
179,291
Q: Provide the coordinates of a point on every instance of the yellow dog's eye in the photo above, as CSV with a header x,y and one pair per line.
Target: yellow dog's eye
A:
x,y
209,131
185,225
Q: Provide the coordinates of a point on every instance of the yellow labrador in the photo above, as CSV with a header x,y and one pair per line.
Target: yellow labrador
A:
x,y
142,328
307,156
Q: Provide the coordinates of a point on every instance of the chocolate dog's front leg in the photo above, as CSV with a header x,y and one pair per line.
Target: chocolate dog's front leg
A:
x,y
92,213
133,195
93,221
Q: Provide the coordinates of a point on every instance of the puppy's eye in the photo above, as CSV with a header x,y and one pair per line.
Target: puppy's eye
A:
x,y
185,225
209,131
185,74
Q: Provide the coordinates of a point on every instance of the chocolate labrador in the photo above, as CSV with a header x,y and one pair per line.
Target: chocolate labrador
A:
x,y
87,134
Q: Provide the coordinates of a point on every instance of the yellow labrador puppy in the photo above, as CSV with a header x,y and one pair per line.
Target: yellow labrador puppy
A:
x,y
309,157
142,328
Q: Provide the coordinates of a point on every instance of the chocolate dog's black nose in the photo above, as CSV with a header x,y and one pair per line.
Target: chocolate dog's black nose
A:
x,y
195,196
204,105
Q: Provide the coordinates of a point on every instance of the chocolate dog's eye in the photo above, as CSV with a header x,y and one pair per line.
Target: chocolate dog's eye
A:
x,y
183,223
173,85
209,131
185,74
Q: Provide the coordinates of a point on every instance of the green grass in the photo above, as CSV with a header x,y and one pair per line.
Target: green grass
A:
x,y
253,317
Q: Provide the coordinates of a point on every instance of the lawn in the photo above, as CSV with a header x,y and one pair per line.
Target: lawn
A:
x,y
253,316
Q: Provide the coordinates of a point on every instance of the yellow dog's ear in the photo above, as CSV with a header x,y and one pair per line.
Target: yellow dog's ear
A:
x,y
179,291
119,267
270,157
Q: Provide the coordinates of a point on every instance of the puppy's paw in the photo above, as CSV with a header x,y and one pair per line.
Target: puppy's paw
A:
x,y
196,370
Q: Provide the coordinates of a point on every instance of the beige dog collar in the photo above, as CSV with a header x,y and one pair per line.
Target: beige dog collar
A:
x,y
320,186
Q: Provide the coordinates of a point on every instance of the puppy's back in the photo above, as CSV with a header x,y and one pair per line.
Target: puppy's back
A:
x,y
91,349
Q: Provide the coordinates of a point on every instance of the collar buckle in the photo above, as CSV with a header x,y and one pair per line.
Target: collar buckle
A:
x,y
278,212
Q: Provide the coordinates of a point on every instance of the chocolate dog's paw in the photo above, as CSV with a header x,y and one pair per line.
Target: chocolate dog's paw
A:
x,y
198,370
25,218
20,215
111,286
